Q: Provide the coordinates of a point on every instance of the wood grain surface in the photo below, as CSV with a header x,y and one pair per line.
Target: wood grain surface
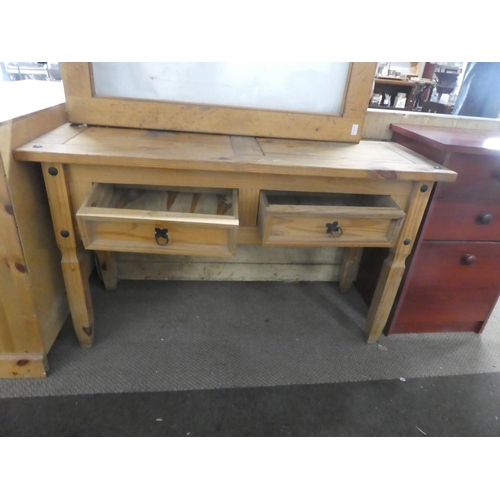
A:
x,y
85,107
206,152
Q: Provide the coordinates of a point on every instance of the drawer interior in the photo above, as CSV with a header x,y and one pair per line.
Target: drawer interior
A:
x,y
289,200
163,199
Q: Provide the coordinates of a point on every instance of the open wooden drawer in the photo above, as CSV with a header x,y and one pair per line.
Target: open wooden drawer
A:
x,y
150,219
323,219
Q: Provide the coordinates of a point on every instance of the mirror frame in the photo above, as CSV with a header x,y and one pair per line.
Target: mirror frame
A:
x,y
85,107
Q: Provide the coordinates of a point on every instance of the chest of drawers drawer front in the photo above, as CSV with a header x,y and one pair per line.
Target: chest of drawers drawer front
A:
x,y
452,282
478,177
463,220
299,219
165,221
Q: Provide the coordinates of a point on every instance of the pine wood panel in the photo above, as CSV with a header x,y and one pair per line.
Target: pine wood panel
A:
x,y
311,231
184,239
174,201
211,271
108,269
80,76
199,222
12,319
23,365
250,263
62,134
361,220
349,269
246,146
81,177
251,254
33,303
248,206
130,148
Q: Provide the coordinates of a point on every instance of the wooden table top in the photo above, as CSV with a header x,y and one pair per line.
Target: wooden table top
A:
x,y
159,149
454,140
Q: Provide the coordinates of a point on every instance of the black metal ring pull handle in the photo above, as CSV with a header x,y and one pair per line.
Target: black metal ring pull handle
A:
x,y
333,229
161,236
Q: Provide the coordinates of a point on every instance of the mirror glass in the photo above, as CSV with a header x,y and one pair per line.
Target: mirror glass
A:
x,y
314,87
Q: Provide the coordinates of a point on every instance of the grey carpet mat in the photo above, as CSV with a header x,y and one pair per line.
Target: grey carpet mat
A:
x,y
168,336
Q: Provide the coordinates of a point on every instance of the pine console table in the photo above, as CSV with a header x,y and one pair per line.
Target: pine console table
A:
x,y
113,189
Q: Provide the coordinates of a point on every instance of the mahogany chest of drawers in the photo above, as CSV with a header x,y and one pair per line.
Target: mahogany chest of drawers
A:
x,y
452,278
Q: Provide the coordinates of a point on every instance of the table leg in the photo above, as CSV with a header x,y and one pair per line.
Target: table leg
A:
x,y
73,259
393,267
80,300
108,269
349,267
388,283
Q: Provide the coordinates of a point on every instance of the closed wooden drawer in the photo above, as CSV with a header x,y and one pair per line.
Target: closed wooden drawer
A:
x,y
463,220
159,220
304,219
452,282
478,178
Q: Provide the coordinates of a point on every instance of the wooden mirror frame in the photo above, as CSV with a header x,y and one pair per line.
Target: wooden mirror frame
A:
x,y
85,107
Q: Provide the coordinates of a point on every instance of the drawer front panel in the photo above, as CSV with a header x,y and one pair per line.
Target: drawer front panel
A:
x,y
478,177
452,282
158,220
463,220
179,239
309,220
312,231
